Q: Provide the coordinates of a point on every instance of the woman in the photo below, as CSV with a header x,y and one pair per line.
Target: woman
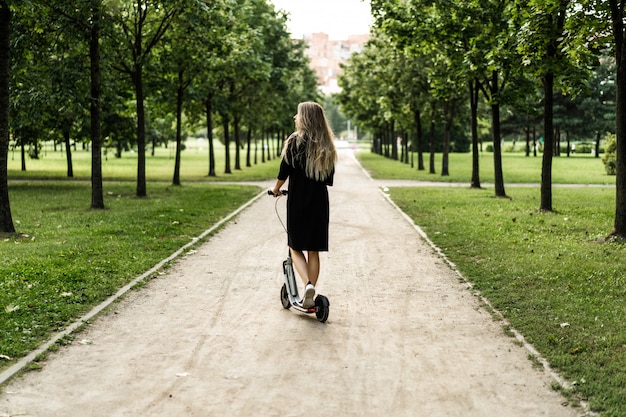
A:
x,y
308,160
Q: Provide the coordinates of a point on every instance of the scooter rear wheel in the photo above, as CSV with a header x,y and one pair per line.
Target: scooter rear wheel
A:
x,y
284,297
322,308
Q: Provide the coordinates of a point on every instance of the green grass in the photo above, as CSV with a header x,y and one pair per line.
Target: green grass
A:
x,y
550,274
517,168
160,167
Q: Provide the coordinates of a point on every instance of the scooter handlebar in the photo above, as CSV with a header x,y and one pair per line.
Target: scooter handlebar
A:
x,y
271,192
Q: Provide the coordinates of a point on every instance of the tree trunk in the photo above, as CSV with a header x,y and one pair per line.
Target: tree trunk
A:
x,y
280,140
68,151
6,220
256,148
237,142
405,139
249,148
557,141
97,193
265,143
23,156
179,121
225,125
141,134
263,136
497,152
494,92
548,144
432,141
445,158
209,134
417,116
473,90
527,131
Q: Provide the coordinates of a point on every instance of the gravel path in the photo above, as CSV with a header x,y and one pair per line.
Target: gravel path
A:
x,y
209,337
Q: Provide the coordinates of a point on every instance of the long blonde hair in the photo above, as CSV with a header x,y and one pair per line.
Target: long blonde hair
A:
x,y
312,141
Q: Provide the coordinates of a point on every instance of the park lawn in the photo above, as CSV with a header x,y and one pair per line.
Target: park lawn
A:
x,y
516,167
551,275
159,167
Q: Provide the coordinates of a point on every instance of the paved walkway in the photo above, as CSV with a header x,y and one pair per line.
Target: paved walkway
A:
x,y
209,337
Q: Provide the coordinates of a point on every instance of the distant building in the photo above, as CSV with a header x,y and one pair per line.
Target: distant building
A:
x,y
326,55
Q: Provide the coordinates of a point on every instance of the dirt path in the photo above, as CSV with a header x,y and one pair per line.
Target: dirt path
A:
x,y
210,337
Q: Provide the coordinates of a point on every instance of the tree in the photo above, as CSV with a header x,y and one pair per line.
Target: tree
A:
x,y
491,62
97,194
6,220
554,44
66,19
28,106
431,30
360,97
217,18
598,107
142,25
180,61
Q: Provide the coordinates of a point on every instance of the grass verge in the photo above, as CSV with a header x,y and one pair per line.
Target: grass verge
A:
x,y
517,168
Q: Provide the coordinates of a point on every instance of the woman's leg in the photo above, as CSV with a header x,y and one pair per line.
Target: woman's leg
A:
x,y
308,269
313,266
301,265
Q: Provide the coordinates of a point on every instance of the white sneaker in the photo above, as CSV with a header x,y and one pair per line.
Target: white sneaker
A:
x,y
309,295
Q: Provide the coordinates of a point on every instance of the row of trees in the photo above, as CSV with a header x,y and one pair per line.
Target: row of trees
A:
x,y
130,71
441,60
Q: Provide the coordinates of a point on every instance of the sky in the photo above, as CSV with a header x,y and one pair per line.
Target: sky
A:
x,y
337,18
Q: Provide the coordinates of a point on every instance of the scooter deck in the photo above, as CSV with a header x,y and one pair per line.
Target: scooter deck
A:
x,y
299,307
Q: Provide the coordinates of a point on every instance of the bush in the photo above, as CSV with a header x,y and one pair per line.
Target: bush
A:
x,y
583,147
610,154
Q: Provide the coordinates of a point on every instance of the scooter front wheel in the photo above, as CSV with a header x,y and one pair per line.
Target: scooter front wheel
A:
x,y
322,308
284,297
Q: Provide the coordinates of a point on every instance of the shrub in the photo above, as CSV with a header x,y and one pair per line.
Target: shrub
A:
x,y
584,147
610,154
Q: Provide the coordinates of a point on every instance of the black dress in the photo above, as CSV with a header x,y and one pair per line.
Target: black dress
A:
x,y
307,207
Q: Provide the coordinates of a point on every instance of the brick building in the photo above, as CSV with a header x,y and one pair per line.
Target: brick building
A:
x,y
327,54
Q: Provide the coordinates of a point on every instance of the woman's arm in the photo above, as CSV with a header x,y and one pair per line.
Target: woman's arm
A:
x,y
276,190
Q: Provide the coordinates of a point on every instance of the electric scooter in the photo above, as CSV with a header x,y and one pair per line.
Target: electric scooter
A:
x,y
289,296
